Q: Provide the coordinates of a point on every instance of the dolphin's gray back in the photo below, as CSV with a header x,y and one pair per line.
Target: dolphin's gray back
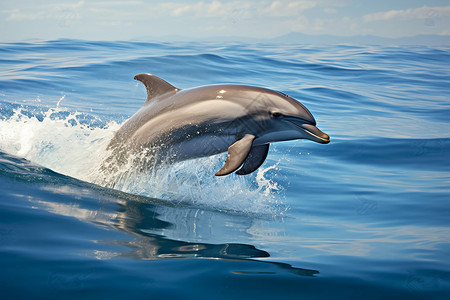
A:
x,y
176,106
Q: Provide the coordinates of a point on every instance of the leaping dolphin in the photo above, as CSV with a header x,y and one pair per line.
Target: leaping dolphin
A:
x,y
175,125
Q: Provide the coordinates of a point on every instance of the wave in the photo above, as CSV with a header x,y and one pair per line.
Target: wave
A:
x,y
380,105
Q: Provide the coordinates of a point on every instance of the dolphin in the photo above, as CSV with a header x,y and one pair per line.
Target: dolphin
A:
x,y
175,125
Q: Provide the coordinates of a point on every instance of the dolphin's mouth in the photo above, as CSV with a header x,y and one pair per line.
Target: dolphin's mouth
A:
x,y
315,134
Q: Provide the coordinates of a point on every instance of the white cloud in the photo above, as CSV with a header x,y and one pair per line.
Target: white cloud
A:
x,y
244,9
117,3
56,11
279,8
285,8
425,12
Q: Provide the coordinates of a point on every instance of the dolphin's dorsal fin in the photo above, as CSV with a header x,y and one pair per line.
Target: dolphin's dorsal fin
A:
x,y
255,159
155,86
237,153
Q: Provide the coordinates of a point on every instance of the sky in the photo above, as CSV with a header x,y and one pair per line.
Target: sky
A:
x,y
129,20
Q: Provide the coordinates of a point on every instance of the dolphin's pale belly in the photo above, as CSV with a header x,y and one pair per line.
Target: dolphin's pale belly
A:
x,y
200,146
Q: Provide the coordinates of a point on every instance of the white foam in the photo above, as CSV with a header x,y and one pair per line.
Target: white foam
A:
x,y
59,141
56,140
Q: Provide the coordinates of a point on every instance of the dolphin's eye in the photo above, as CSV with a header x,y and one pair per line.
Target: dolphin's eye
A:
x,y
276,114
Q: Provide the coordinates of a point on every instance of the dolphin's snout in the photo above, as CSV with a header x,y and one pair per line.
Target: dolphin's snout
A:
x,y
313,133
316,134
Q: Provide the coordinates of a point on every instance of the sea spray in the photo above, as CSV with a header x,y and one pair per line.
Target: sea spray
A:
x,y
193,182
66,142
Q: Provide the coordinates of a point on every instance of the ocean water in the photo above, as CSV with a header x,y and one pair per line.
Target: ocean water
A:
x,y
364,217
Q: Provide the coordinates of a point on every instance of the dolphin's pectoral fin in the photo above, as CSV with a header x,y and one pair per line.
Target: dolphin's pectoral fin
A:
x,y
155,86
255,159
237,153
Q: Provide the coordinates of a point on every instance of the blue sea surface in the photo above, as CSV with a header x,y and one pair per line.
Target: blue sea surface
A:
x,y
364,217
